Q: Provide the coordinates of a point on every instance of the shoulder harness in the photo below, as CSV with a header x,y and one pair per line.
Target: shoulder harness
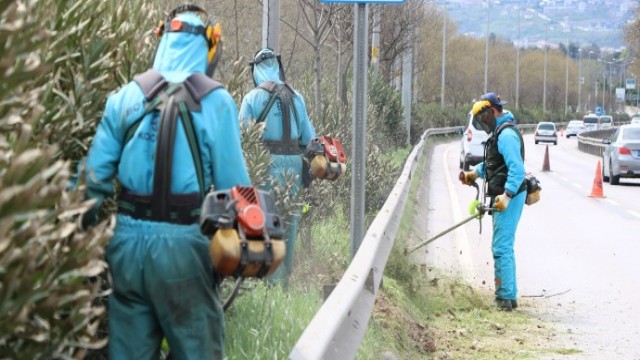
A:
x,y
284,93
496,170
173,101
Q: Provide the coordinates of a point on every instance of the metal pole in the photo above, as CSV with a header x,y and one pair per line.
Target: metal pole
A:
x,y
271,24
604,83
609,92
407,71
359,126
518,64
579,81
486,49
444,53
544,85
566,85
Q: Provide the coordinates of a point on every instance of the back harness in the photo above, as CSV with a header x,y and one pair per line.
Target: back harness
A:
x,y
173,101
284,93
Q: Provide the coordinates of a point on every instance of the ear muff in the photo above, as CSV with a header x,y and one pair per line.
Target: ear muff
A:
x,y
214,38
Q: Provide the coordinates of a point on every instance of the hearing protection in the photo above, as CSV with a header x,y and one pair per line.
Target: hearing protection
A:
x,y
212,32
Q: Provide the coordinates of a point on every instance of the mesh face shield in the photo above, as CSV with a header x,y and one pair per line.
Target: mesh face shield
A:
x,y
479,110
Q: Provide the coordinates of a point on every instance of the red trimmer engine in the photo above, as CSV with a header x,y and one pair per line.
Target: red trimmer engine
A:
x,y
327,158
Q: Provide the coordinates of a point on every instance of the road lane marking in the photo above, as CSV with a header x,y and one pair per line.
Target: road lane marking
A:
x,y
577,185
634,213
461,239
612,202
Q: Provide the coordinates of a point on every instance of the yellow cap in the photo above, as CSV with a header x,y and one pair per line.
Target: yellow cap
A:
x,y
480,106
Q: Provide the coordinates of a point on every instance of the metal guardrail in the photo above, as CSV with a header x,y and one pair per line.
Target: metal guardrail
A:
x,y
337,329
591,141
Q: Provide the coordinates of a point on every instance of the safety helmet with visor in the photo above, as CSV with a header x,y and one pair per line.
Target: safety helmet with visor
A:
x,y
482,108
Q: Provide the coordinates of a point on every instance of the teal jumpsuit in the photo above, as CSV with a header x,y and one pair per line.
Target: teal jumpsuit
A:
x,y
163,280
302,131
505,223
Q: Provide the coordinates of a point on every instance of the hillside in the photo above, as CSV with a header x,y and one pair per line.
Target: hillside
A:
x,y
599,22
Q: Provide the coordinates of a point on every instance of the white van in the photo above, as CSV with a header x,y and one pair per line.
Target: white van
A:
x,y
590,122
606,122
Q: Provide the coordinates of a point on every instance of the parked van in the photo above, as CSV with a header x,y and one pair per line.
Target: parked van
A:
x,y
591,122
606,122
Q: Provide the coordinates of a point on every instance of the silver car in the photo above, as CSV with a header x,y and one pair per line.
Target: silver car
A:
x,y
621,158
546,132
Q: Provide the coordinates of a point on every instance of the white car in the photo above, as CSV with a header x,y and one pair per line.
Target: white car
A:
x,y
574,128
635,120
546,132
472,145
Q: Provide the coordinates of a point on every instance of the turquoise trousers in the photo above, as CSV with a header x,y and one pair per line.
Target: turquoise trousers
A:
x,y
505,224
163,287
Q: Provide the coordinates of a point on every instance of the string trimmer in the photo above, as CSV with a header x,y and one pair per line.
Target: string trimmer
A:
x,y
476,209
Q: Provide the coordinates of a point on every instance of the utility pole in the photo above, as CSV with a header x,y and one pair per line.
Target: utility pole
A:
x,y
486,49
444,53
271,25
518,63
544,86
579,80
566,83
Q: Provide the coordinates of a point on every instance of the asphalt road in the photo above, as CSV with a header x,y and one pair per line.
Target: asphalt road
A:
x,y
577,257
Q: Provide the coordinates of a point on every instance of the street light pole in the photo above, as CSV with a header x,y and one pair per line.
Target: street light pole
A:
x,y
566,84
486,49
444,53
579,81
518,63
544,89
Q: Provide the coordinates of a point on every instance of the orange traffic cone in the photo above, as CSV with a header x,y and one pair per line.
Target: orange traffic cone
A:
x,y
545,164
596,190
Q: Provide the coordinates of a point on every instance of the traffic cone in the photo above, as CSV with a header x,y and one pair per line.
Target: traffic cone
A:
x,y
545,164
596,190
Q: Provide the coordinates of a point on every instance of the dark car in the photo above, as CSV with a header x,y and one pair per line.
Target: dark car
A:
x,y
621,158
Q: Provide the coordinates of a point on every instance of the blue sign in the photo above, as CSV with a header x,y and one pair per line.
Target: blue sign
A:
x,y
599,110
364,1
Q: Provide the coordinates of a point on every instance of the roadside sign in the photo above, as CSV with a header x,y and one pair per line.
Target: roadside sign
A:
x,y
630,84
620,92
582,80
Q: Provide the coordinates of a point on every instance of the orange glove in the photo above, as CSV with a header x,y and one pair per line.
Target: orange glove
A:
x,y
502,202
467,177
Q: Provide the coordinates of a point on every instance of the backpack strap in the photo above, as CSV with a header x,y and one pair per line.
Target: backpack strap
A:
x,y
269,86
284,93
151,82
511,125
173,101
